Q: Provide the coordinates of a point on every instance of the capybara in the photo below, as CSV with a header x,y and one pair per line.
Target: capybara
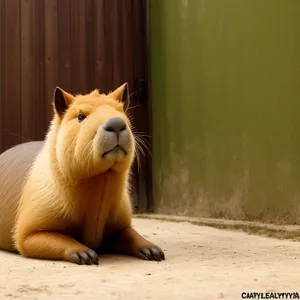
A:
x,y
67,197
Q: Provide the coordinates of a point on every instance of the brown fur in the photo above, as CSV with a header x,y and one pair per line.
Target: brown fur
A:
x,y
70,196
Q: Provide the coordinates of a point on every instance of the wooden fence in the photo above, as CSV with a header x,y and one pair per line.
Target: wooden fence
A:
x,y
79,45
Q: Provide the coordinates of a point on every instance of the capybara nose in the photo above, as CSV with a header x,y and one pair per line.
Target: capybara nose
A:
x,y
115,125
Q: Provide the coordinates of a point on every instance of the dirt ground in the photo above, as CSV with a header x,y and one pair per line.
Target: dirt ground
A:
x,y
201,263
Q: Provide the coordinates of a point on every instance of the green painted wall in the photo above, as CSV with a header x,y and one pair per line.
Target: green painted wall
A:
x,y
226,108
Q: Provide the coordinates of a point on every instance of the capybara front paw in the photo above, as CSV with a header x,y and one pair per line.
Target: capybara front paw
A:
x,y
88,257
152,253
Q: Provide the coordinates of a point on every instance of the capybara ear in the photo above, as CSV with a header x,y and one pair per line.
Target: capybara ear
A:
x,y
121,93
62,100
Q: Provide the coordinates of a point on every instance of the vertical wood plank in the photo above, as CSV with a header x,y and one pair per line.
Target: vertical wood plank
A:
x,y
11,70
41,109
140,111
64,45
89,42
126,34
116,20
78,78
108,44
101,80
28,70
75,76
126,58
51,58
31,75
147,61
81,55
75,59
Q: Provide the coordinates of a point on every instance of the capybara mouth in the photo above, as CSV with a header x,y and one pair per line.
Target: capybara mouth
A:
x,y
113,149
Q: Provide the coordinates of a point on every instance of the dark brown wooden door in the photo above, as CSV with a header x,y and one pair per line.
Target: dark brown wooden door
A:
x,y
79,45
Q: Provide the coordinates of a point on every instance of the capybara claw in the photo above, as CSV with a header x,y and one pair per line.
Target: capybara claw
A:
x,y
153,253
88,257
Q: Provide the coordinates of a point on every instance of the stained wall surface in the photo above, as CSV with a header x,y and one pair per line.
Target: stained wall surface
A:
x,y
226,108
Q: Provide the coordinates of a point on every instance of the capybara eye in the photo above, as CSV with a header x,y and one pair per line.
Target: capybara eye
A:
x,y
81,117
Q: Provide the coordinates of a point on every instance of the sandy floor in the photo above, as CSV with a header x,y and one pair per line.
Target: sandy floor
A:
x,y
202,263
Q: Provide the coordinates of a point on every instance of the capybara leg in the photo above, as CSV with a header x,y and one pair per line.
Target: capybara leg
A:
x,y
56,246
130,242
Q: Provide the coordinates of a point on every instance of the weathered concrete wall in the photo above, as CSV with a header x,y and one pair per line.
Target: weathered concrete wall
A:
x,y
226,108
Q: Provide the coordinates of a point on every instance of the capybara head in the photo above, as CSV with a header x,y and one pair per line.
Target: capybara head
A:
x,y
92,133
